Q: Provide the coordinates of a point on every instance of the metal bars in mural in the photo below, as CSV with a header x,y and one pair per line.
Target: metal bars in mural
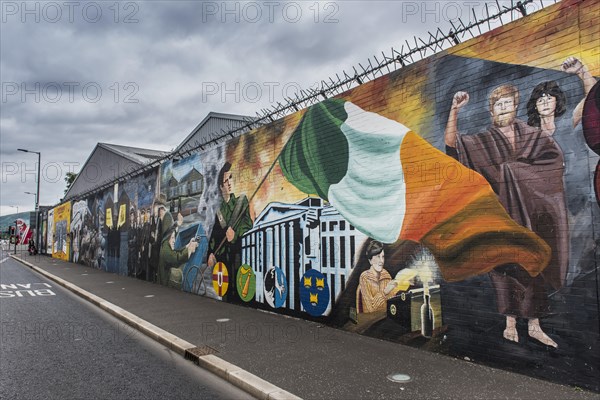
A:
x,y
430,208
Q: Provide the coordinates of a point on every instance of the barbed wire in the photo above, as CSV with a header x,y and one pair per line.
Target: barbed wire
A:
x,y
392,61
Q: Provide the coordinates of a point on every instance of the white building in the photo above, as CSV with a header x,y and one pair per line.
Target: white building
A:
x,y
298,237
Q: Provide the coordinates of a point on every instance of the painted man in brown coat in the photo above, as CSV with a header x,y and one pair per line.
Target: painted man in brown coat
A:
x,y
525,167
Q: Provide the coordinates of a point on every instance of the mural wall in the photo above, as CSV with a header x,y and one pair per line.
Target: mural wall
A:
x,y
114,230
61,238
448,205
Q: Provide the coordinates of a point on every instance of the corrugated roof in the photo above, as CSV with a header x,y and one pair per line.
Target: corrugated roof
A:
x,y
239,120
135,154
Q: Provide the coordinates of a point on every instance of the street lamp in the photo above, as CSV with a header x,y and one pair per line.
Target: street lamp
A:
x,y
17,207
37,193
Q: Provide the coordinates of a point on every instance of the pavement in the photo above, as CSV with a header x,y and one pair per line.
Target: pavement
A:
x,y
272,356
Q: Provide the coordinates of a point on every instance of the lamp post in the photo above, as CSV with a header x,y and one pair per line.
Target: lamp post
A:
x,y
16,227
37,193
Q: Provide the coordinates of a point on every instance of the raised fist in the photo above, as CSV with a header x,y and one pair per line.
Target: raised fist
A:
x,y
460,99
572,65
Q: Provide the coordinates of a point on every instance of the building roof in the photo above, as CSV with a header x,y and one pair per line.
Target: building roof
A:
x,y
106,162
135,154
106,158
210,127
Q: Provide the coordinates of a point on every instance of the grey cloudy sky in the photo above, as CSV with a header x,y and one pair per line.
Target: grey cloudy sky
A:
x,y
146,73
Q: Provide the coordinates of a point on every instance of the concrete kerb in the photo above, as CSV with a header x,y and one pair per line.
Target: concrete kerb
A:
x,y
244,380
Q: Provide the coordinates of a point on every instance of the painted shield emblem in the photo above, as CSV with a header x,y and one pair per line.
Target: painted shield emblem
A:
x,y
246,282
314,293
275,287
220,279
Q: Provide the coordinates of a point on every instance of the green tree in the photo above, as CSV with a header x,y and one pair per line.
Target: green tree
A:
x,y
69,179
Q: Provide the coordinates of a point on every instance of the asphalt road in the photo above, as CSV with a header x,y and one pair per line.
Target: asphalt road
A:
x,y
54,345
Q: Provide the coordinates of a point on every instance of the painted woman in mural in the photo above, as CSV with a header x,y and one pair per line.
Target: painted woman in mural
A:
x,y
525,167
548,102
376,284
233,220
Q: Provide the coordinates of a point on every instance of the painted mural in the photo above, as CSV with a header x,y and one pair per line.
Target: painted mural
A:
x,y
50,232
61,227
113,230
24,233
44,234
181,234
445,206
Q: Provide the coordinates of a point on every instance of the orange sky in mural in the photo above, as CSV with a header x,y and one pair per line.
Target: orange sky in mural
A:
x,y
551,38
265,144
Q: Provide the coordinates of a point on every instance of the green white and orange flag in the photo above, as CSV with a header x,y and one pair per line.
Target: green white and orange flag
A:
x,y
392,185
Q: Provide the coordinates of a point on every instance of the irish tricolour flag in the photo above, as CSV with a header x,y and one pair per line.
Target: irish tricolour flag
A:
x,y
392,185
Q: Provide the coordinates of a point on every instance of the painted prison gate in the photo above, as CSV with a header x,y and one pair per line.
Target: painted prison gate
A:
x,y
450,205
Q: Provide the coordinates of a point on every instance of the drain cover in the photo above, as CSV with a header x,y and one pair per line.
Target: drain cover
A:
x,y
399,378
195,353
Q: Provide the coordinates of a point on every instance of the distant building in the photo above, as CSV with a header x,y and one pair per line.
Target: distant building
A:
x,y
211,128
299,237
106,163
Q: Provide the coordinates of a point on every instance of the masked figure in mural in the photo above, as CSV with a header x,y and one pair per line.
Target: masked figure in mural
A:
x,y
61,237
86,243
76,244
133,239
231,222
376,284
98,260
524,166
170,258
